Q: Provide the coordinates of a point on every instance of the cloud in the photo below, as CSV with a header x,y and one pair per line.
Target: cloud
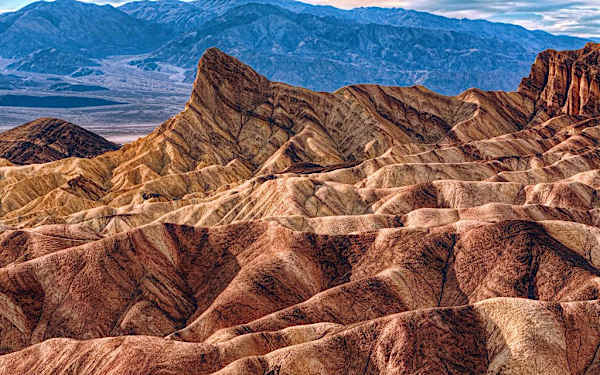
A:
x,y
579,17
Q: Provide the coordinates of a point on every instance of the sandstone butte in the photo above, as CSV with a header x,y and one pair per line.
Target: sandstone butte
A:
x,y
267,229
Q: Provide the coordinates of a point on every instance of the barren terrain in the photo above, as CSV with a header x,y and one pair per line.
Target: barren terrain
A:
x,y
269,229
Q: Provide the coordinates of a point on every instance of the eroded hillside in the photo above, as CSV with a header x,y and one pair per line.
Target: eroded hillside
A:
x,y
269,229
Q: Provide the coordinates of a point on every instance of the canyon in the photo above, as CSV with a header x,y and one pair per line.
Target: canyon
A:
x,y
269,229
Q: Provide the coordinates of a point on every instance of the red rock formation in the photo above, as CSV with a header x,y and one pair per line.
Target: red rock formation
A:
x,y
566,82
268,229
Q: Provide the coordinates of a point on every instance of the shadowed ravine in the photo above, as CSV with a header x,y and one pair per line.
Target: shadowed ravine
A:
x,y
268,229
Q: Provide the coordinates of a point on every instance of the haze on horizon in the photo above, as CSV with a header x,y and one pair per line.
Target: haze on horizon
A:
x,y
577,18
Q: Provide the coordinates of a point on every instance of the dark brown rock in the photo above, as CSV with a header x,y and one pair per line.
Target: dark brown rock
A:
x,y
48,139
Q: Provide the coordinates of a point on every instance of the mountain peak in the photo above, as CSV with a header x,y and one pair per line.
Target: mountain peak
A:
x,y
214,54
221,76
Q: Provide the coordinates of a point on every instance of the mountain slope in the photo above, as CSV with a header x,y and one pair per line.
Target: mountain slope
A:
x,y
46,140
325,48
177,15
75,27
269,229
327,53
532,41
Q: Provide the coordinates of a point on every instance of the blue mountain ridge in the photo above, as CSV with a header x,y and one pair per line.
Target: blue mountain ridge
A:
x,y
319,47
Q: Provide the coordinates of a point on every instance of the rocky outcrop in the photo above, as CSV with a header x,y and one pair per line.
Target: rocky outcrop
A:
x,y
566,82
268,229
48,139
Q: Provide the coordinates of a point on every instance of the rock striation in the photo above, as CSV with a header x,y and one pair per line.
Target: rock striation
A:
x,y
566,82
269,229
49,139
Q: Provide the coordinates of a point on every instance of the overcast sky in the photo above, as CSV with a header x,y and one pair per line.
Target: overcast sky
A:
x,y
573,17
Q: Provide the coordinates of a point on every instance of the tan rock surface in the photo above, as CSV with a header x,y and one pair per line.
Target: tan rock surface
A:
x,y
268,229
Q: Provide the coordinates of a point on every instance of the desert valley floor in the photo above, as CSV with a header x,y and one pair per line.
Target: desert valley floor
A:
x,y
268,229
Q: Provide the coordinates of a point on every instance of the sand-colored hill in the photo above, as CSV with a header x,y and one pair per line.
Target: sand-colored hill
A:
x,y
268,229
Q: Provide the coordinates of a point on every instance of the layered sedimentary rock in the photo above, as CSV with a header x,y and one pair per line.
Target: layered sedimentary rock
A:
x,y
48,139
268,229
566,82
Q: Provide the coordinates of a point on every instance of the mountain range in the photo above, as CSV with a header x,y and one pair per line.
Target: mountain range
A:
x,y
267,229
75,27
319,47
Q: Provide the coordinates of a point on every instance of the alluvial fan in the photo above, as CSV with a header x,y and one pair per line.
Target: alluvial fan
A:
x,y
268,229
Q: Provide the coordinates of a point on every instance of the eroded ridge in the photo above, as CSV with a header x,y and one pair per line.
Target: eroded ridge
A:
x,y
268,229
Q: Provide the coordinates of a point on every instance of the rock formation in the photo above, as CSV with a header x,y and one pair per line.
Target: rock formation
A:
x,y
268,229
48,139
566,82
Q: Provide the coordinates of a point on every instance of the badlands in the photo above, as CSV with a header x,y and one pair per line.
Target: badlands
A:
x,y
268,229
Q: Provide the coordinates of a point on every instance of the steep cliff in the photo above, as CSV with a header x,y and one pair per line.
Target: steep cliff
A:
x,y
566,82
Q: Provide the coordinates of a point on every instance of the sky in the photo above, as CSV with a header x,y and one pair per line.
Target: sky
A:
x,y
572,17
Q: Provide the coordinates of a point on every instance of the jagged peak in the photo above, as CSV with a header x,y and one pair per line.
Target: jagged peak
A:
x,y
221,76
213,59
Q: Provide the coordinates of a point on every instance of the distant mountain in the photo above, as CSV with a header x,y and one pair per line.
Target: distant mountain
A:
x,y
52,61
189,15
75,27
219,7
326,53
319,47
324,48
49,139
175,15
533,41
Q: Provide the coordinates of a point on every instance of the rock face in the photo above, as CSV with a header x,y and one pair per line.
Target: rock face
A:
x,y
48,139
268,229
566,82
